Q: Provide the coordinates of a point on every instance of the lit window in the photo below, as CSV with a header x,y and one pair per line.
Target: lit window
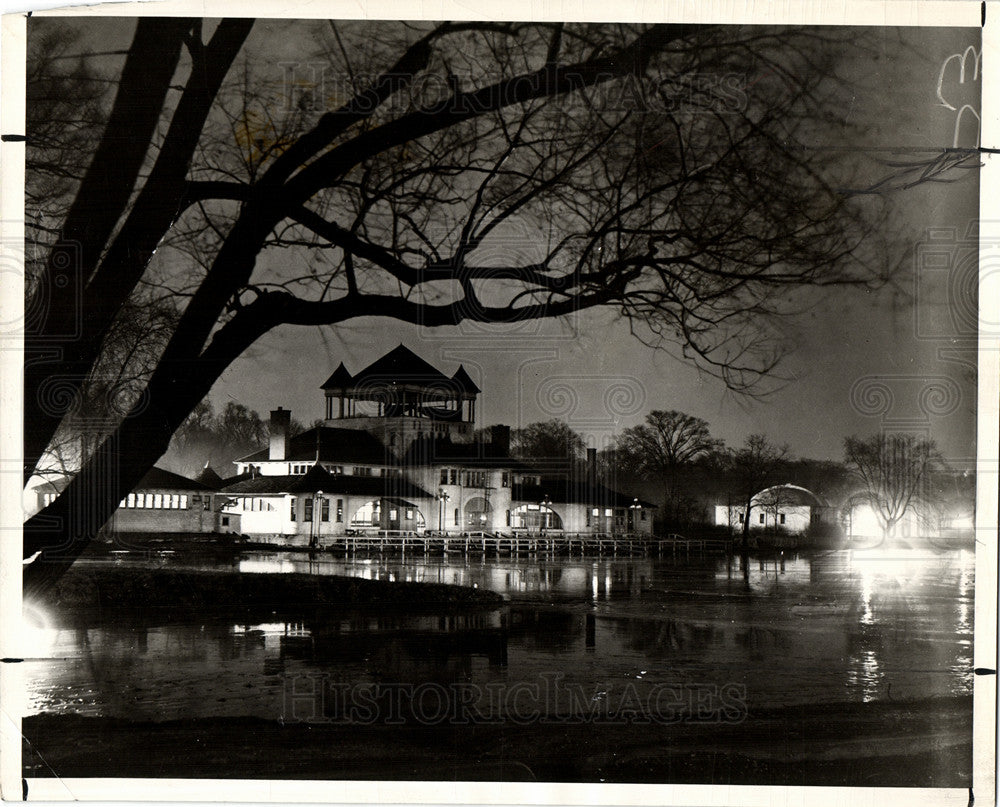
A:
x,y
607,512
393,515
340,510
130,500
158,500
184,501
409,515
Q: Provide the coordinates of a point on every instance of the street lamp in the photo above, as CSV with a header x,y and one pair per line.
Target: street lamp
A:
x,y
442,497
544,513
313,530
635,507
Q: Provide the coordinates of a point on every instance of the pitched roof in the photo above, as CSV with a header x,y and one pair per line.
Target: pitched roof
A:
x,y
341,379
335,445
463,379
209,478
574,491
159,479
317,479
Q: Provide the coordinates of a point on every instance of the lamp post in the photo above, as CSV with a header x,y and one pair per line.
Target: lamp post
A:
x,y
635,507
442,497
313,530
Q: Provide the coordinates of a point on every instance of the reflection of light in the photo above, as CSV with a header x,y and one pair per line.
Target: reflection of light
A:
x,y
864,521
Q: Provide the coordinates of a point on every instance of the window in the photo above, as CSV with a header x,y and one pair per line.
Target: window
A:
x,y
508,518
739,516
362,471
325,513
206,503
184,501
292,502
158,500
453,475
130,500
340,510
456,517
607,512
589,516
444,476
175,501
393,515
505,479
409,515
761,518
308,515
781,517
642,515
225,521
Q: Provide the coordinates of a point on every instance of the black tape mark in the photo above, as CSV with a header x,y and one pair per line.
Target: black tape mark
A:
x,y
13,138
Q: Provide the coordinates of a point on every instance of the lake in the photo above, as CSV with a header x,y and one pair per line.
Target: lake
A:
x,y
623,641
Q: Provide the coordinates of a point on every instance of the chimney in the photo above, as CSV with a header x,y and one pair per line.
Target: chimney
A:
x,y
281,422
500,438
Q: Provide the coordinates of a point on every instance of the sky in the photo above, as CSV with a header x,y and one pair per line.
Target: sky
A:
x,y
897,358
849,345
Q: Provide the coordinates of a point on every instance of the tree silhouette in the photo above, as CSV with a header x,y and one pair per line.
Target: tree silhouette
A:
x,y
893,470
659,448
693,209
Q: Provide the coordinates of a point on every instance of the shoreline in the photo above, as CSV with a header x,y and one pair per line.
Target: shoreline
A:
x,y
918,743
111,587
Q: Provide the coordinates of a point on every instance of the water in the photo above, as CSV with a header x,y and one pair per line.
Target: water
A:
x,y
605,635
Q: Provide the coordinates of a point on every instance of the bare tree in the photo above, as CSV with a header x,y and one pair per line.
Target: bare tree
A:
x,y
693,211
893,470
659,448
754,468
550,440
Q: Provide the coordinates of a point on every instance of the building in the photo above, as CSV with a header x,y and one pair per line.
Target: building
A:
x,y
783,508
165,502
398,451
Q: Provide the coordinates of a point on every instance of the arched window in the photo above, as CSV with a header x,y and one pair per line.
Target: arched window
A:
x,y
477,513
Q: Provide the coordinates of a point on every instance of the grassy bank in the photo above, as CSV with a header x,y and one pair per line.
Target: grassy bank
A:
x,y
112,587
922,743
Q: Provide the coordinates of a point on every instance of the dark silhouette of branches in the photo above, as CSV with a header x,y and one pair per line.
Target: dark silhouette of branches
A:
x,y
635,166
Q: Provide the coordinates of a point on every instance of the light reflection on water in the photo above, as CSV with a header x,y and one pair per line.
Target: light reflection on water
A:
x,y
814,627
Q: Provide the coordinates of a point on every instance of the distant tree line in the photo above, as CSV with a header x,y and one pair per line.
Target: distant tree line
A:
x,y
673,459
